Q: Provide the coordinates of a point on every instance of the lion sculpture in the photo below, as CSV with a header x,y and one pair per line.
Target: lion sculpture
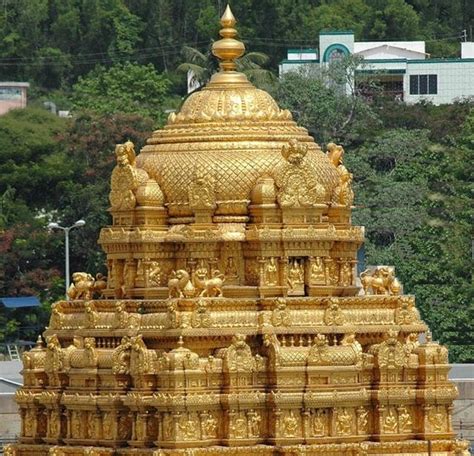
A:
x,y
84,285
210,288
180,285
380,281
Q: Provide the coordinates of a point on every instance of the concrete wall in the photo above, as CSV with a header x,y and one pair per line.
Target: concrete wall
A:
x,y
455,80
13,95
463,415
9,417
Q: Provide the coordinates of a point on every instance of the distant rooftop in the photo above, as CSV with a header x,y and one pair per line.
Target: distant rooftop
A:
x,y
14,84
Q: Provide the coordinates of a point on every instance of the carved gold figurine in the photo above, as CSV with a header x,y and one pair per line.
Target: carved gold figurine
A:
x,y
282,353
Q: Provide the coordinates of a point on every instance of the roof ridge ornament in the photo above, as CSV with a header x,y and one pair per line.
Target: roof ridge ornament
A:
x,y
228,49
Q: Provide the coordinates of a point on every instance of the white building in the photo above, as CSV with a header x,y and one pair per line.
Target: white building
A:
x,y
13,95
403,68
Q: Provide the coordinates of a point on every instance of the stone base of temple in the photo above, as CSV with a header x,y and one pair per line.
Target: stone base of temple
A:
x,y
406,448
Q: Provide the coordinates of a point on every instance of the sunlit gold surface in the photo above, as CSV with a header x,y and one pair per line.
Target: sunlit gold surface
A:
x,y
232,321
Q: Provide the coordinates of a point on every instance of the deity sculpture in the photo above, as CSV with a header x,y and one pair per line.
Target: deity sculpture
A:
x,y
298,186
343,422
201,195
290,425
346,274
404,420
254,420
209,427
317,274
271,272
390,423
362,420
319,427
231,269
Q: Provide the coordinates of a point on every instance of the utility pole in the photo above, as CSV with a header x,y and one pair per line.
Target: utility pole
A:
x,y
56,226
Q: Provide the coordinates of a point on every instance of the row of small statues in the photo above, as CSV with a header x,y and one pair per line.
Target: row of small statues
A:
x,y
182,285
347,421
322,271
380,280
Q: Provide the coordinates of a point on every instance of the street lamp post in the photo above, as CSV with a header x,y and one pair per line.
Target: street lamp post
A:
x,y
56,226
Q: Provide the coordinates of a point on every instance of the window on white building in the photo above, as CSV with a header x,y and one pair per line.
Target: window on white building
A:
x,y
10,93
424,84
336,55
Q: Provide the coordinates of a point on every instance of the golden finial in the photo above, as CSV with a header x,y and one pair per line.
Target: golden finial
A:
x,y
228,48
39,342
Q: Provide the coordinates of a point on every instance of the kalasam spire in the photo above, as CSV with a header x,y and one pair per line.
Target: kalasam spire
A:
x,y
228,49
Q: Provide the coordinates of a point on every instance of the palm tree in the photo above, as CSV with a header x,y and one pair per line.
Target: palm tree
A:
x,y
203,65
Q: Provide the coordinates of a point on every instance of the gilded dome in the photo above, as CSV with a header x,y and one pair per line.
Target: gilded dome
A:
x,y
230,134
149,194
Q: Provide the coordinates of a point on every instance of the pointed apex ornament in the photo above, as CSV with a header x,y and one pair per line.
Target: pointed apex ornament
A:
x,y
228,49
228,18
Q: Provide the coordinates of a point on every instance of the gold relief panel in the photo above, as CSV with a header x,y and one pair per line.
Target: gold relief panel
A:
x,y
149,274
316,271
389,419
55,424
237,425
280,315
231,270
331,270
333,315
187,426
343,421
77,424
436,419
295,276
405,419
252,272
345,273
363,420
319,423
289,424
269,273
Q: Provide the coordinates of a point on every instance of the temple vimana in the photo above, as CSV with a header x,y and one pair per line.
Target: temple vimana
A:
x,y
232,320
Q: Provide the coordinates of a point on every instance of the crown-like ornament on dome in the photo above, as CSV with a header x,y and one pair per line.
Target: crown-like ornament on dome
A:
x,y
228,49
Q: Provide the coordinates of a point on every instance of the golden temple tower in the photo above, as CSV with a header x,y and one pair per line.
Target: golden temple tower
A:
x,y
231,321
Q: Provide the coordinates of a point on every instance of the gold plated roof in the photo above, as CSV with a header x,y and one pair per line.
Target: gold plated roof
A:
x,y
229,131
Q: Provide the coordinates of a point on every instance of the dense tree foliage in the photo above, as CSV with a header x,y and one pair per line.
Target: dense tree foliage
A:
x,y
123,88
328,102
53,170
53,42
411,196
